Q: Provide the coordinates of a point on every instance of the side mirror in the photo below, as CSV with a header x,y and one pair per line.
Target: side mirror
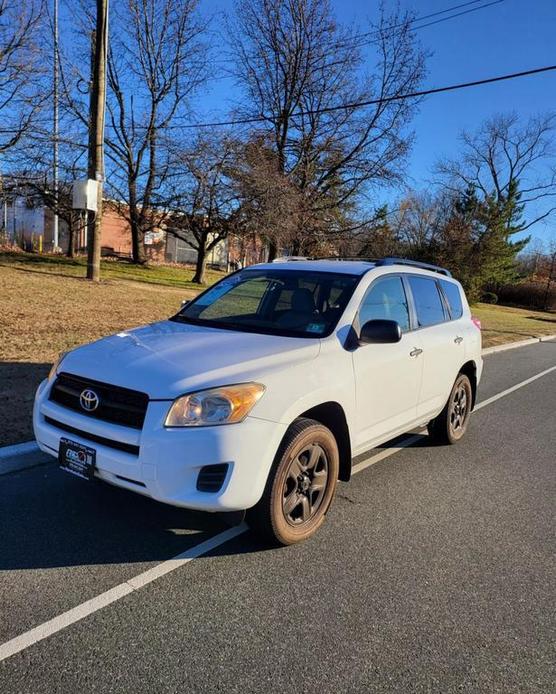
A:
x,y
380,332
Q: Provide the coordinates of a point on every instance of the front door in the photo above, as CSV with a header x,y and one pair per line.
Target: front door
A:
x,y
387,376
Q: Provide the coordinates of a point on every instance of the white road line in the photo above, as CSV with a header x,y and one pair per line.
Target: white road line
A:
x,y
43,631
410,440
386,453
517,386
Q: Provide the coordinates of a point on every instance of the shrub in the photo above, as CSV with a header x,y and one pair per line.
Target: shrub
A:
x,y
529,294
489,298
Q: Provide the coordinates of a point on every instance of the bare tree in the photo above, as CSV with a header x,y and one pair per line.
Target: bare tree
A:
x,y
156,61
208,208
20,94
504,155
303,74
31,163
271,203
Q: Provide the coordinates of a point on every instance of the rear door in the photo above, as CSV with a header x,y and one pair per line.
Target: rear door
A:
x,y
387,376
443,350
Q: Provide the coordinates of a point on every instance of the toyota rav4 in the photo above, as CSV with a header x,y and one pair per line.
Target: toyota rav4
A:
x,y
259,392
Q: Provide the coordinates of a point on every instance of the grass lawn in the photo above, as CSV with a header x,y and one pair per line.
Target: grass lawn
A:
x,y
165,275
507,324
47,307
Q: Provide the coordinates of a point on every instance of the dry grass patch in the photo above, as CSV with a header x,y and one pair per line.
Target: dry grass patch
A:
x,y
171,275
502,324
45,314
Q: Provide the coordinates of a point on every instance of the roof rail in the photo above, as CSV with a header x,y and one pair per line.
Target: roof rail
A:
x,y
290,258
414,263
345,258
376,261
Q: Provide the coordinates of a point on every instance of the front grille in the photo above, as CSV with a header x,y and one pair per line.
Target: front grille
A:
x,y
211,477
118,405
110,443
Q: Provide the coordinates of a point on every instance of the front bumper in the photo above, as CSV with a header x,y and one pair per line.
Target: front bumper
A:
x,y
169,460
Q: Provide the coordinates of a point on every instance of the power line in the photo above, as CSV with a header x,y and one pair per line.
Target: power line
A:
x,y
357,104
370,102
458,14
356,39
425,16
376,32
357,42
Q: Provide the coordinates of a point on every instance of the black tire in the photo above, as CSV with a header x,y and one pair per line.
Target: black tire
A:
x,y
451,424
300,486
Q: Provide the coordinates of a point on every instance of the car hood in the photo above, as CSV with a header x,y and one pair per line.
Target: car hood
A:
x,y
167,359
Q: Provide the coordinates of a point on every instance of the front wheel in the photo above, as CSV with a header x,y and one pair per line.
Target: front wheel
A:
x,y
300,486
451,424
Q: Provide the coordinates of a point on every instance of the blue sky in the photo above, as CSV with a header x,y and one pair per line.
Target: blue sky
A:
x,y
510,36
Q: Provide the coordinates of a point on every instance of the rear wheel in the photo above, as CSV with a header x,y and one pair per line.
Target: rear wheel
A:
x,y
451,424
300,486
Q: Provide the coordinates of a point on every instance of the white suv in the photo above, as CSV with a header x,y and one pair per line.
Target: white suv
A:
x,y
260,391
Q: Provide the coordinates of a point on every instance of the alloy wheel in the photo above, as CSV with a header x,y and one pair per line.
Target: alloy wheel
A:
x,y
459,409
305,485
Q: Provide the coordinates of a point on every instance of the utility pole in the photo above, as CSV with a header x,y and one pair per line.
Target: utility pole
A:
x,y
97,106
55,128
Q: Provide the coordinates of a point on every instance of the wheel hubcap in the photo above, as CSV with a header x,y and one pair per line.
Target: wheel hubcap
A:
x,y
459,409
305,485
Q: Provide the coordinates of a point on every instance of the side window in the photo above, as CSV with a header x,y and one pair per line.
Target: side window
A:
x,y
386,299
428,303
453,295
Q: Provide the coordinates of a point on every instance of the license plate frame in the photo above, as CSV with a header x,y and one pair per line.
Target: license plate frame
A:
x,y
77,459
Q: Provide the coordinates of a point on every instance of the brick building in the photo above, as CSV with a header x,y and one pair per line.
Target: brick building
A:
x,y
30,224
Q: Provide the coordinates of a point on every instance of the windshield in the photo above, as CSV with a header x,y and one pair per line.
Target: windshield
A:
x,y
281,302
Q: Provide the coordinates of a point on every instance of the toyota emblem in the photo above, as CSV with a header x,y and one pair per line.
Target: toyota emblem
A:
x,y
89,400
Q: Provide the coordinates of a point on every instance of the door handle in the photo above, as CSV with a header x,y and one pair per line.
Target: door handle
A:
x,y
458,339
415,352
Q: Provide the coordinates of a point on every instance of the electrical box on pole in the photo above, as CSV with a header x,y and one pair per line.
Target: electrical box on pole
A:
x,y
85,195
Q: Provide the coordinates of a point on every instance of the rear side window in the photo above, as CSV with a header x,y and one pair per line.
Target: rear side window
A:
x,y
453,295
428,303
386,299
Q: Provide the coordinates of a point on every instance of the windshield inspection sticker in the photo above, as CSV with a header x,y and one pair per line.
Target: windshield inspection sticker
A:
x,y
315,328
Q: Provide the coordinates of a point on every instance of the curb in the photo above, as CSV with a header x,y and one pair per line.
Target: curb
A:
x,y
20,456
515,345
20,449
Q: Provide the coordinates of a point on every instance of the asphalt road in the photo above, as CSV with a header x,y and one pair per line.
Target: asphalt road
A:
x,y
433,573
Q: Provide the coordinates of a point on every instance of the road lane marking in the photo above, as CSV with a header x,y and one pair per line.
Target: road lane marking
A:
x,y
386,453
414,438
517,386
43,631
52,626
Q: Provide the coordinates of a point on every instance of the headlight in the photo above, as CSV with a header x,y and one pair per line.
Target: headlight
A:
x,y
56,364
226,405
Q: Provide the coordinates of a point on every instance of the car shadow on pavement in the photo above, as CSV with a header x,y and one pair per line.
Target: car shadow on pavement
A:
x,y
49,519
18,383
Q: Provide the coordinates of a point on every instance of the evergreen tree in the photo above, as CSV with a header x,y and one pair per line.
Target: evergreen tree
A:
x,y
479,242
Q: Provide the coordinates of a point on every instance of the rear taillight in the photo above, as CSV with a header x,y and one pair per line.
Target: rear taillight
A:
x,y
476,322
